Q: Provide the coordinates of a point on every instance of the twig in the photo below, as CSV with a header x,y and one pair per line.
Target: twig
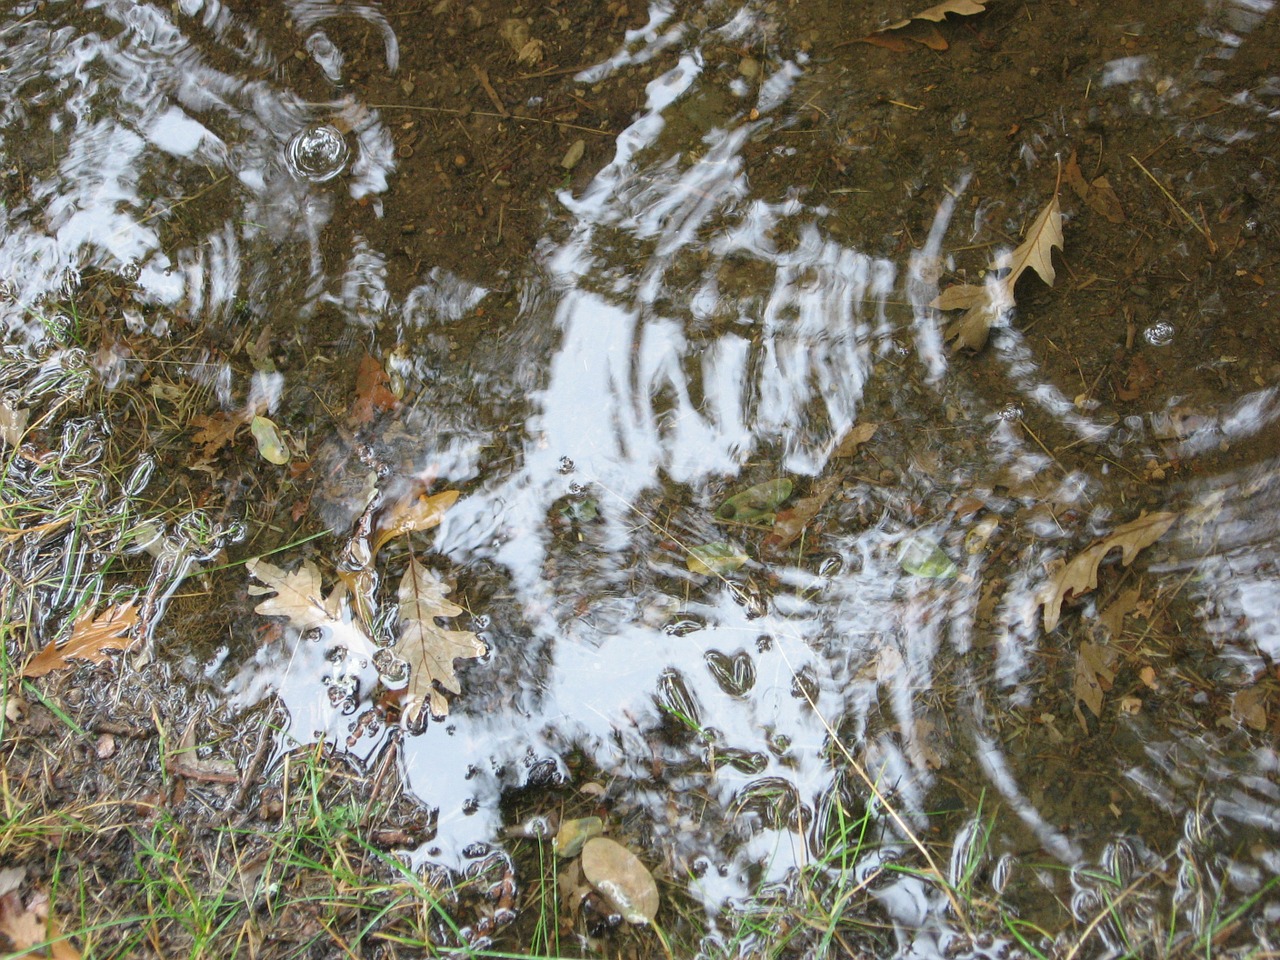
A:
x,y
1203,230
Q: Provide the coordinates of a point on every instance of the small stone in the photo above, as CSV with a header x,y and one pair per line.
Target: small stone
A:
x,y
749,67
574,154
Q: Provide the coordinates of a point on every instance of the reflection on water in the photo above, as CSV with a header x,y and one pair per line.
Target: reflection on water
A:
x,y
677,336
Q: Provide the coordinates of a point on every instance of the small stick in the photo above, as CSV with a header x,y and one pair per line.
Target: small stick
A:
x,y
1204,231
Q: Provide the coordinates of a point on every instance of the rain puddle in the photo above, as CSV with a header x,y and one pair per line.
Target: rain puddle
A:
x,y
746,542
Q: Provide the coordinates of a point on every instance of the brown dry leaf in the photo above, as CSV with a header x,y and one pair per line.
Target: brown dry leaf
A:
x,y
26,929
215,431
185,762
373,393
1138,380
1094,676
1099,194
855,438
1080,575
920,29
428,648
984,304
1112,618
410,515
91,639
790,523
298,595
1249,706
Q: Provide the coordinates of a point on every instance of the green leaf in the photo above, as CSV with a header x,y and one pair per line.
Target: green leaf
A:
x,y
922,557
756,503
270,441
717,558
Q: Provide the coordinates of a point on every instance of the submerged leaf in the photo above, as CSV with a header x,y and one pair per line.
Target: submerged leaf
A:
x,y
91,638
985,304
717,558
920,29
621,878
755,503
1080,575
791,523
921,557
271,444
574,834
428,648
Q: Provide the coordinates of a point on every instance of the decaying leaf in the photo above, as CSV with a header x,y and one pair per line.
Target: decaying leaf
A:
x,y
922,557
1249,706
984,304
1098,194
574,834
412,514
29,927
858,435
428,648
1080,574
792,522
271,443
13,423
186,762
715,558
215,431
755,504
1094,676
919,28
373,391
91,639
621,878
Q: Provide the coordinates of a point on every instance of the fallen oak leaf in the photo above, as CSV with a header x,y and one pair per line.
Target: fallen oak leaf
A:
x,y
1094,675
1080,574
855,438
30,934
985,304
919,28
297,595
1098,195
428,648
91,639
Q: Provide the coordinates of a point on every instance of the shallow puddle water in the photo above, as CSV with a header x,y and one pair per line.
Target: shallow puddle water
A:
x,y
748,539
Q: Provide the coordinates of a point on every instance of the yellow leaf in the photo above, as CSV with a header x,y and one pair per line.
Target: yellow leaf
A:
x,y
90,640
408,516
1080,574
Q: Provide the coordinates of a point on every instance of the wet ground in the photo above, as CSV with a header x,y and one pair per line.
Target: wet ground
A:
x,y
276,275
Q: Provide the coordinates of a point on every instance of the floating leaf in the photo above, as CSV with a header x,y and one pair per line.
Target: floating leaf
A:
x,y
580,511
298,595
621,878
574,834
91,639
717,558
922,557
755,503
985,304
428,648
270,441
1080,575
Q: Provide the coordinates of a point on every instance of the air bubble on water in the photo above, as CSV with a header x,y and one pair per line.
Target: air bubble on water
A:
x,y
317,154
131,271
1010,411
1159,334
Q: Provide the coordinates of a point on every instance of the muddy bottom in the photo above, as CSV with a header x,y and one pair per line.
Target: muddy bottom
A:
x,y
696,480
